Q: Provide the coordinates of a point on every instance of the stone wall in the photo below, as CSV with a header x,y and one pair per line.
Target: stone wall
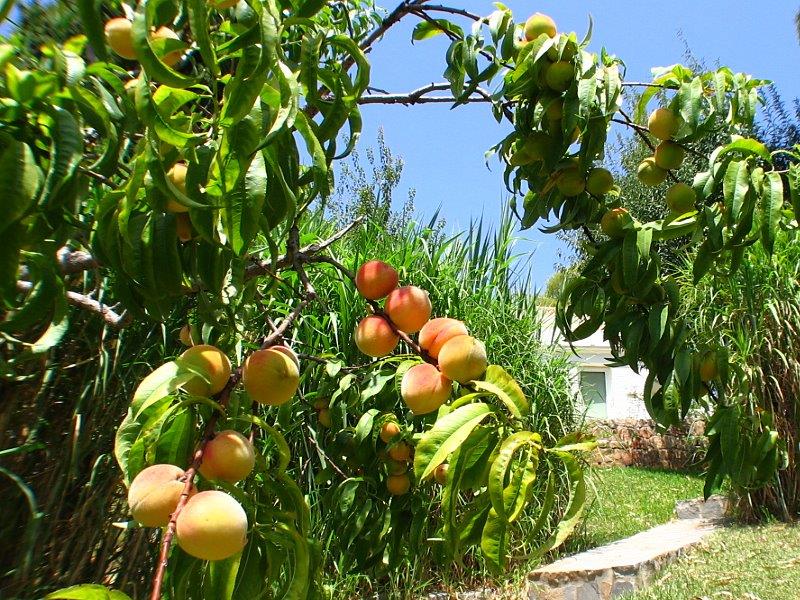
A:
x,y
637,442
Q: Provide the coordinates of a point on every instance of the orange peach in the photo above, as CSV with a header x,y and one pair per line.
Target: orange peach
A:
x,y
170,58
401,452
440,473
210,361
375,279
212,526
388,431
154,494
119,37
288,352
463,358
409,308
270,377
424,389
398,485
228,456
375,337
436,332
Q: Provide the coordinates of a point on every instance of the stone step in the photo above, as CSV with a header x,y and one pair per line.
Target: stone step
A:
x,y
620,567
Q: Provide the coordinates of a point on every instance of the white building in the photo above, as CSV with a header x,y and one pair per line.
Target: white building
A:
x,y
607,392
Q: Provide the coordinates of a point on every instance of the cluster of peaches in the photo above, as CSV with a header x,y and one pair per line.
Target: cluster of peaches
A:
x,y
452,354
398,458
213,525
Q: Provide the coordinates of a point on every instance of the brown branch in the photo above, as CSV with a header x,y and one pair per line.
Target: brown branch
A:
x,y
86,303
644,84
197,459
418,96
328,458
452,11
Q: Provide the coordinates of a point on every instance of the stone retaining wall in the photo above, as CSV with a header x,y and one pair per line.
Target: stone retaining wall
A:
x,y
637,442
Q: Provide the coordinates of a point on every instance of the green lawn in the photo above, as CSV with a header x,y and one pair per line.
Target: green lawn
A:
x,y
740,563
626,500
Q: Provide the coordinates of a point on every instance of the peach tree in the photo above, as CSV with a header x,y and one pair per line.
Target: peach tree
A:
x,y
164,161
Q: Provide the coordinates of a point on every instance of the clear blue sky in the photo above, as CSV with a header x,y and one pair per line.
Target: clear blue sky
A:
x,y
444,149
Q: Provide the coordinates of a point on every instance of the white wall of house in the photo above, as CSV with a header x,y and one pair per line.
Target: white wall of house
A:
x,y
607,392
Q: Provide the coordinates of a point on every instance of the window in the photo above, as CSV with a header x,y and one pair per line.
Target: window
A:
x,y
593,391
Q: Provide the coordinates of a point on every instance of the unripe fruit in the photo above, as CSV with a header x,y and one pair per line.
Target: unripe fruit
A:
x,y
555,110
424,389
539,24
212,362
212,526
559,76
708,367
663,123
681,198
401,452
614,222
440,473
649,173
599,181
119,37
324,418
463,358
437,332
534,148
409,308
571,182
183,227
398,485
270,377
375,279
222,4
177,176
396,468
375,337
228,456
570,50
669,155
154,494
170,58
388,431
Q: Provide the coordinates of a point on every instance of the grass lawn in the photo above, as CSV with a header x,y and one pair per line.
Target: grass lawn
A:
x,y
740,563
626,500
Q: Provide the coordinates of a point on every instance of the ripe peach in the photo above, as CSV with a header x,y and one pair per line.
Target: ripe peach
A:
x,y
440,473
409,308
436,332
320,404
539,24
663,123
649,173
189,335
229,456
270,377
183,224
375,279
463,359
669,155
177,176
424,389
324,418
212,362
599,181
571,182
212,526
708,367
388,431
288,352
154,494
396,468
375,337
119,37
614,222
170,58
401,452
398,485
681,198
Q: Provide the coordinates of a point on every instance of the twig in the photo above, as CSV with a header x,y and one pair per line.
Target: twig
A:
x,y
86,303
452,11
197,459
328,458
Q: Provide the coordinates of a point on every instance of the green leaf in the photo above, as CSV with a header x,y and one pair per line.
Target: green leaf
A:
x,y
428,29
21,181
494,542
508,501
220,580
91,19
198,22
87,591
446,435
498,382
771,206
66,152
162,382
577,501
152,65
735,186
59,323
747,146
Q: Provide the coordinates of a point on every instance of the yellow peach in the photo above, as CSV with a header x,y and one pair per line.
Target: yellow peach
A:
x,y
154,493
212,526
463,358
270,377
436,332
228,456
210,361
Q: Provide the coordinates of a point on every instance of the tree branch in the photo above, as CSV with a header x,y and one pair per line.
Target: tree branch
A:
x,y
418,96
111,317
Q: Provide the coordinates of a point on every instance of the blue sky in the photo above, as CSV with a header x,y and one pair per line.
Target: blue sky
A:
x,y
444,149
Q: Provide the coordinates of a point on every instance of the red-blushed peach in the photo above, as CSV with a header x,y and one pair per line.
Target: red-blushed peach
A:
x,y
424,389
375,279
212,362
288,352
119,37
270,377
398,485
154,494
409,308
212,526
440,473
388,431
228,456
375,337
436,332
463,358
170,58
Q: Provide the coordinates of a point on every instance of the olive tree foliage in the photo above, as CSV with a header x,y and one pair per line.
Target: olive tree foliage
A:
x,y
260,102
